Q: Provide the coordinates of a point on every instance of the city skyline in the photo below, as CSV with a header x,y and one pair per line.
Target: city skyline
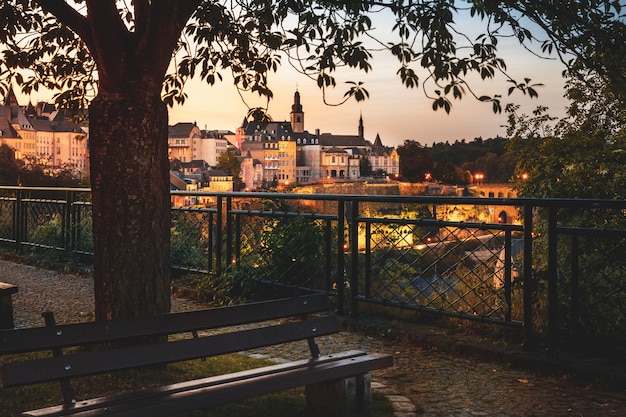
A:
x,y
394,112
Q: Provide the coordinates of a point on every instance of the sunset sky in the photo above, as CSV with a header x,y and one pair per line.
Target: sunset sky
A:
x,y
392,110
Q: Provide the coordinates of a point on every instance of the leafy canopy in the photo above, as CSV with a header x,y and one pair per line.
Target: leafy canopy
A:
x,y
580,156
54,44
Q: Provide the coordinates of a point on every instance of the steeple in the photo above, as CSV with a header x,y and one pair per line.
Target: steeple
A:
x,y
378,143
296,107
10,99
297,114
361,128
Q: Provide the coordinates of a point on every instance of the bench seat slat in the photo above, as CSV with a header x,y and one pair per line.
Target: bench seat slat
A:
x,y
157,392
45,338
226,388
90,363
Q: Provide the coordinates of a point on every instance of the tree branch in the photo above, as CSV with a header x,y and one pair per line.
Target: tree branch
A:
x,y
142,14
165,24
69,17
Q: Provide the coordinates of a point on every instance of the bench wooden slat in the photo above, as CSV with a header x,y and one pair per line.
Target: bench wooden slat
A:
x,y
207,382
7,289
209,393
99,347
45,338
90,363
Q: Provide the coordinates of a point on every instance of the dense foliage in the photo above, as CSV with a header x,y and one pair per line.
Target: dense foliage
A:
x,y
581,156
229,163
116,58
30,173
459,162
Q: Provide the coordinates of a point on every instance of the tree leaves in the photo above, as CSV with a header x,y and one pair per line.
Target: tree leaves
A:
x,y
320,37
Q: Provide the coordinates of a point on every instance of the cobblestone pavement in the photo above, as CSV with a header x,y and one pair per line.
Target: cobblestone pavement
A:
x,y
423,381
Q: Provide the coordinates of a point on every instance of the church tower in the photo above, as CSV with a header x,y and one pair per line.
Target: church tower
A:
x,y
361,128
297,115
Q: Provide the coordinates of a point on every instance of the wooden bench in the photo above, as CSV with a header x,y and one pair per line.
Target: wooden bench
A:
x,y
6,305
344,373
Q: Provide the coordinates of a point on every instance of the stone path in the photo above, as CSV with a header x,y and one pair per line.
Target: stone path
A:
x,y
423,381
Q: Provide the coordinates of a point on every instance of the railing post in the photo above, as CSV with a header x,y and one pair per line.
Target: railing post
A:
x,y
329,254
575,290
237,240
19,217
553,295
229,230
368,260
527,278
508,265
67,221
219,232
211,244
354,250
339,282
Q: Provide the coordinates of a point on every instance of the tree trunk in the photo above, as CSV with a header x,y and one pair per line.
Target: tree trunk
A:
x,y
131,204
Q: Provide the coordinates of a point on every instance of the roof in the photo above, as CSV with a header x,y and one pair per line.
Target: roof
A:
x,y
336,150
180,130
216,173
273,129
6,130
196,163
43,124
328,139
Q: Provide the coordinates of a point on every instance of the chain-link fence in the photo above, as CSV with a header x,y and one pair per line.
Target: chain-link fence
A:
x,y
552,267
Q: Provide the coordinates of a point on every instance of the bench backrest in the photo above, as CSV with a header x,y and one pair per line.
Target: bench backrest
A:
x,y
82,363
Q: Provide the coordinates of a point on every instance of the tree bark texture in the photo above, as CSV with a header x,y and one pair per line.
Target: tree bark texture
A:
x,y
131,204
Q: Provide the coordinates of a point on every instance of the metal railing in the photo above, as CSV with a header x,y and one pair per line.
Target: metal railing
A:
x,y
553,272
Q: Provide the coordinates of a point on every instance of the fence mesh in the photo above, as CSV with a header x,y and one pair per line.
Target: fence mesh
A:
x,y
7,229
457,269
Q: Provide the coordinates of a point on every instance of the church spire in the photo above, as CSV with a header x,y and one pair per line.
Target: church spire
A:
x,y
361,128
10,99
297,114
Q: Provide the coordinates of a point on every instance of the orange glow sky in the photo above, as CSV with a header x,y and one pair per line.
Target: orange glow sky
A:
x,y
392,110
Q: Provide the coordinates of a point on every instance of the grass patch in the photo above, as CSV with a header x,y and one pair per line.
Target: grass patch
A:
x,y
13,401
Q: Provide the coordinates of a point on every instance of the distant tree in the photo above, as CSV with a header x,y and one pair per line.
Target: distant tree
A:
x,y
9,166
29,172
448,172
581,156
175,164
229,163
126,60
496,168
365,167
415,160
379,173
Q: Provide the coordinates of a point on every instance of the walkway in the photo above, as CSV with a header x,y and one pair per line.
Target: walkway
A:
x,y
424,381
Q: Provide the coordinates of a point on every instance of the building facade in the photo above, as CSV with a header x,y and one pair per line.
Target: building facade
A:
x,y
45,135
318,156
